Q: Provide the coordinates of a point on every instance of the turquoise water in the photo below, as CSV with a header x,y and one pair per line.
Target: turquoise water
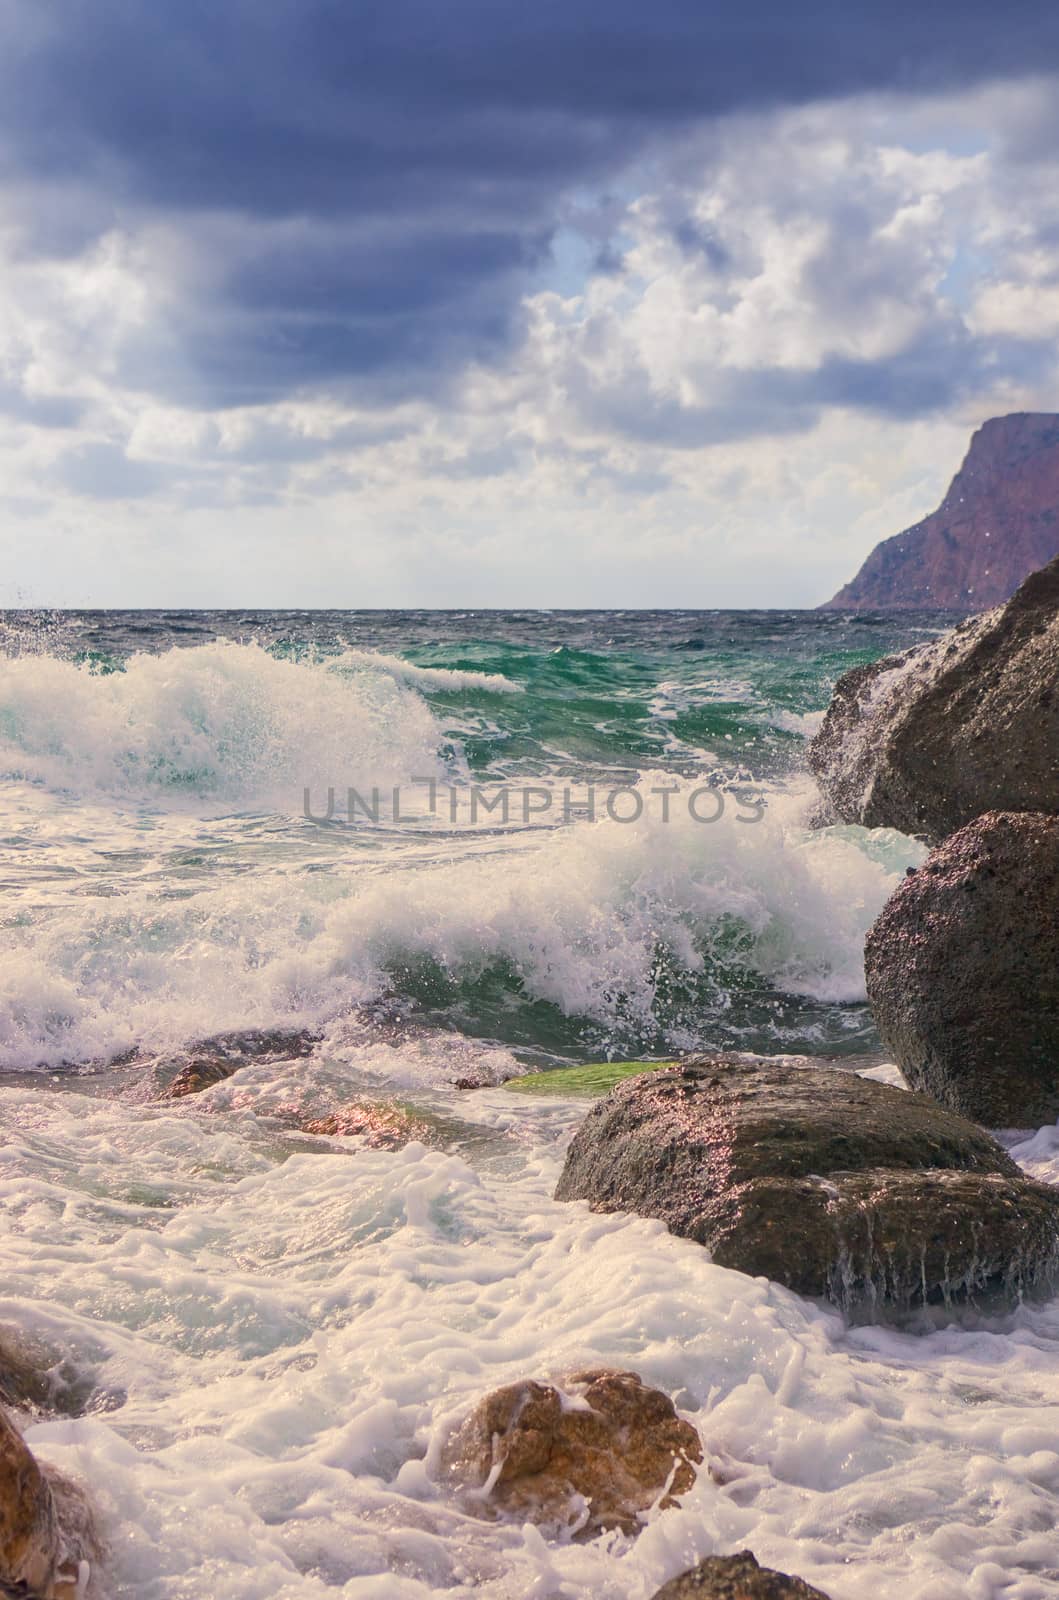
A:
x,y
166,880
277,1330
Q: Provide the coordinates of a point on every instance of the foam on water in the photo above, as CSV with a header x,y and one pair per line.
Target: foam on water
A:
x,y
291,1338
218,722
600,920
280,1330
441,679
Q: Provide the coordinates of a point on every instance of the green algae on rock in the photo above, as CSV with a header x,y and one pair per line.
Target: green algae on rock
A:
x,y
594,1078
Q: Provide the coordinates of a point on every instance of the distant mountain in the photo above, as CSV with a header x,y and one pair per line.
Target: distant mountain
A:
x,y
998,523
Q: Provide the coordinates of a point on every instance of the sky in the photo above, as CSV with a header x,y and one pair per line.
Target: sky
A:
x,y
473,303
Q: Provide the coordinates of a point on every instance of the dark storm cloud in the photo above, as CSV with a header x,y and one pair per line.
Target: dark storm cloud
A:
x,y
695,240
933,371
422,148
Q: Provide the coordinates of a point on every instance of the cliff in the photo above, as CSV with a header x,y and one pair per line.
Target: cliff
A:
x,y
998,523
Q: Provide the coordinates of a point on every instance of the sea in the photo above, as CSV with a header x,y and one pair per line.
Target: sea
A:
x,y
456,847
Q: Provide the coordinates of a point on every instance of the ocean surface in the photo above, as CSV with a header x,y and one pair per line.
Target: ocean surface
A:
x,y
457,846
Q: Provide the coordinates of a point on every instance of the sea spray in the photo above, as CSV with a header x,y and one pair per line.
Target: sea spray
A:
x,y
214,725
637,934
277,1332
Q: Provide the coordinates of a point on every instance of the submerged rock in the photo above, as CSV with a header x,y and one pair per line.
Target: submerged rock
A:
x,y
213,1060
383,1125
969,723
25,1382
596,1454
962,968
736,1578
36,1379
48,1546
831,1184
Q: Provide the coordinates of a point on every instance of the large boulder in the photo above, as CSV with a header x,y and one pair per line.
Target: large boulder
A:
x,y
930,739
736,1577
962,968
596,1454
832,1184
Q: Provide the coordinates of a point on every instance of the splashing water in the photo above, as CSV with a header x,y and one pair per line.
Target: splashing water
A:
x,y
277,1331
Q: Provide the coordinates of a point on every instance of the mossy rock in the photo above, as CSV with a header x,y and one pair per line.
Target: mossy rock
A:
x,y
590,1081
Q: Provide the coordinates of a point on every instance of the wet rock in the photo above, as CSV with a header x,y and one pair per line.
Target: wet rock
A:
x,y
962,969
213,1060
736,1577
928,740
37,1379
831,1184
595,1454
48,1546
382,1125
25,1382
885,1238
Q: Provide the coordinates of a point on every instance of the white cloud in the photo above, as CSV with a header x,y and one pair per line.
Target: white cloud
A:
x,y
783,368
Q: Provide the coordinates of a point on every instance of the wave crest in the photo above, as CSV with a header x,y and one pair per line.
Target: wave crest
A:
x,y
223,722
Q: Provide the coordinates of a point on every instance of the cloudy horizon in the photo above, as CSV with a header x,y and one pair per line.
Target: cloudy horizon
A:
x,y
470,306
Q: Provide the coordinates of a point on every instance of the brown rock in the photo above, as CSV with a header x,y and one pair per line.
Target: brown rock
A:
x,y
962,967
829,1183
213,1060
382,1126
928,740
25,1383
596,1454
46,1529
998,523
736,1578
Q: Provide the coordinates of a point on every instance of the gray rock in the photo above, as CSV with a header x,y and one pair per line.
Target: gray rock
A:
x,y
834,1185
736,1577
962,968
930,739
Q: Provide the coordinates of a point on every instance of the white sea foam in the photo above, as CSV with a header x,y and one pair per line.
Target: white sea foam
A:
x,y
280,1339
223,723
293,1338
439,679
582,914
805,723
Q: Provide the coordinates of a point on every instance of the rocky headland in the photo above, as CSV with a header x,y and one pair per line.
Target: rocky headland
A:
x,y
998,522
